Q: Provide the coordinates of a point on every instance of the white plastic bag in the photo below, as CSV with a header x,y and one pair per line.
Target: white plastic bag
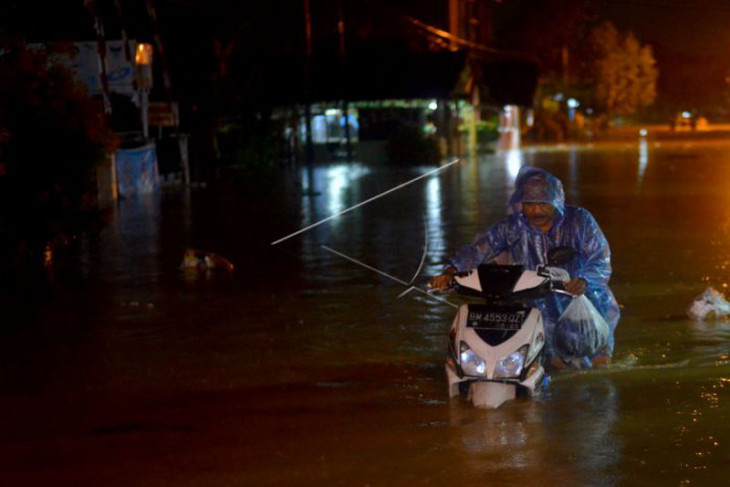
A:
x,y
580,331
709,304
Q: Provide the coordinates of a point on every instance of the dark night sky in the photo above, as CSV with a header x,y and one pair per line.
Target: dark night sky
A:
x,y
691,27
690,37
691,42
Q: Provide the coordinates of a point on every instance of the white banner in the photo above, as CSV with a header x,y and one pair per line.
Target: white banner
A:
x,y
86,64
119,70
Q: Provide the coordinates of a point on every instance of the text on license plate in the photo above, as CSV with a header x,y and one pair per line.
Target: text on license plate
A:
x,y
498,320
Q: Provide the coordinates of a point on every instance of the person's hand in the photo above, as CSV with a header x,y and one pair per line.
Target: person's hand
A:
x,y
576,286
442,282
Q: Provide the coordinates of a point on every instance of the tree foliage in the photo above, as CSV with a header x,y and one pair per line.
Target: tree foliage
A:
x,y
51,136
608,70
621,70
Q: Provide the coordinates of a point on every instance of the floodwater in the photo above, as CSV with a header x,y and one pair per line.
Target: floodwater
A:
x,y
307,368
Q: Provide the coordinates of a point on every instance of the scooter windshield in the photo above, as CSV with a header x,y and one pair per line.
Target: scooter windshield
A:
x,y
498,281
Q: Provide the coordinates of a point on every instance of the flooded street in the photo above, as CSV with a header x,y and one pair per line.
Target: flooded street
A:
x,y
306,368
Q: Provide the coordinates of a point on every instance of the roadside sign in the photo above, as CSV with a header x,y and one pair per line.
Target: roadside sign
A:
x,y
163,114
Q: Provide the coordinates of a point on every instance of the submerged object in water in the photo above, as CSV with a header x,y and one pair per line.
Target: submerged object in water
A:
x,y
710,304
205,261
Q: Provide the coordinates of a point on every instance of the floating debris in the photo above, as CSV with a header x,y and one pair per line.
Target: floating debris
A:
x,y
201,260
708,305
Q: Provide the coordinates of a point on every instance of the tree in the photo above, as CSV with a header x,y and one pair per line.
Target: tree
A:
x,y
621,70
52,133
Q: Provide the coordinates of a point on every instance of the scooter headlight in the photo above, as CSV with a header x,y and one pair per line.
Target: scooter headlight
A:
x,y
471,363
511,366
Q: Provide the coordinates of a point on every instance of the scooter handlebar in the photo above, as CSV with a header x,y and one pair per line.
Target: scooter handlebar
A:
x,y
557,277
442,283
559,287
445,282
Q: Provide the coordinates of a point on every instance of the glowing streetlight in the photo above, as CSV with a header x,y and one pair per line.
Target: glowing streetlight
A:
x,y
572,105
143,68
144,53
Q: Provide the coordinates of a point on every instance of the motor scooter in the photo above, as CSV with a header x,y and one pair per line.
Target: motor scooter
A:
x,y
496,339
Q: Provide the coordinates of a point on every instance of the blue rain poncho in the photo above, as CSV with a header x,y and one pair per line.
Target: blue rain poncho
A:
x,y
521,243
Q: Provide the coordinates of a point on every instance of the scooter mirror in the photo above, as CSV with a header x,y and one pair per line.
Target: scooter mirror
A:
x,y
560,255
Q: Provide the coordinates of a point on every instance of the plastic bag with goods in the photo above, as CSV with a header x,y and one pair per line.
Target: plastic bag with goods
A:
x,y
709,304
580,331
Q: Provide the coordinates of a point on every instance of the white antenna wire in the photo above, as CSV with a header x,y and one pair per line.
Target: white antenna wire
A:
x,y
399,281
402,185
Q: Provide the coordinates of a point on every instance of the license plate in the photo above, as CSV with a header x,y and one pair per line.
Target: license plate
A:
x,y
495,318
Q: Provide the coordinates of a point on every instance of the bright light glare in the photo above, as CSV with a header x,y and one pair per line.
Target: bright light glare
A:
x,y
143,55
643,159
433,105
643,132
471,363
511,365
339,181
514,163
530,118
573,103
434,223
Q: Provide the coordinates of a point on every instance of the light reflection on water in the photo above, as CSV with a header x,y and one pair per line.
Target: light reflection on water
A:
x,y
581,428
308,368
643,160
434,224
587,429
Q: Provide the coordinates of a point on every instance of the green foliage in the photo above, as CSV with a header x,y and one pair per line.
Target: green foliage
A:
x,y
488,130
51,136
247,144
409,145
248,149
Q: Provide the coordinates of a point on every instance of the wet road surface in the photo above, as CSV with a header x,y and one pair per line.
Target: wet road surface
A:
x,y
308,369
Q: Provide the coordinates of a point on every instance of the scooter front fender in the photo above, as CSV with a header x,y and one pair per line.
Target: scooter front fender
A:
x,y
491,395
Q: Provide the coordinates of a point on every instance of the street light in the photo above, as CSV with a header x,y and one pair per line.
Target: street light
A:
x,y
143,69
572,105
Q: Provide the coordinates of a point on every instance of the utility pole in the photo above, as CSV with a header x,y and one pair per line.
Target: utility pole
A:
x,y
101,50
343,68
309,150
455,21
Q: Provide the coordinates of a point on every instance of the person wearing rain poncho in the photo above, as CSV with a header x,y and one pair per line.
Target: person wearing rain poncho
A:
x,y
541,221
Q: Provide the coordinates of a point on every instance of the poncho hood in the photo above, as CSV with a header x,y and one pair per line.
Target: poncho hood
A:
x,y
534,185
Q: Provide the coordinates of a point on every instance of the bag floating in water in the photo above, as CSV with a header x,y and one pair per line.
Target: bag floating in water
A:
x,y
708,305
205,261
